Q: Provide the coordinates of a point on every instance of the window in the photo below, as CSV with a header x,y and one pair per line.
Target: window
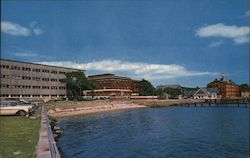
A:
x,y
61,72
54,80
4,95
44,70
36,70
26,78
4,66
4,85
15,95
53,87
45,79
26,95
17,86
53,72
5,76
36,78
26,86
36,87
26,69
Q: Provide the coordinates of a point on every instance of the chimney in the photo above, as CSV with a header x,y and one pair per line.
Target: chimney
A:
x,y
222,77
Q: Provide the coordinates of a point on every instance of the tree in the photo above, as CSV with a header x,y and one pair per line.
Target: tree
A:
x,y
244,86
146,88
76,82
173,92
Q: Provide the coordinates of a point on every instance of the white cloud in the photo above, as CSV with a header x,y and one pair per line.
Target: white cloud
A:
x,y
14,29
247,14
216,43
34,27
26,54
37,31
239,34
18,30
137,70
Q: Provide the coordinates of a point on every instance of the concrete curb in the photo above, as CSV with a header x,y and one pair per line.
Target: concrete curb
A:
x,y
46,141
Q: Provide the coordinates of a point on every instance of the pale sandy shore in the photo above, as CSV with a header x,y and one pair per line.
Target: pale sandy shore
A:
x,y
66,109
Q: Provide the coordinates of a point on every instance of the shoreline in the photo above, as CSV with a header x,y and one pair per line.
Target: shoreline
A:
x,y
87,108
168,102
71,108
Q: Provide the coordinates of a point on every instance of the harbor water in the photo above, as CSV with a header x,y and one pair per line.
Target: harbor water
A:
x,y
174,132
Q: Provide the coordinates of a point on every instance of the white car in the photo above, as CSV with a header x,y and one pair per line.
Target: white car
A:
x,y
11,107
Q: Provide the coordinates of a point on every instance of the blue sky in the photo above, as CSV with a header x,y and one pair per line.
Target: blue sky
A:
x,y
187,42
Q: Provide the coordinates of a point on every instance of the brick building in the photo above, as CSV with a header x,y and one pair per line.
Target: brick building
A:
x,y
111,85
227,88
22,80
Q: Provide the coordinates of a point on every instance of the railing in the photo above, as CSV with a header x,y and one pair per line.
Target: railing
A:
x,y
52,143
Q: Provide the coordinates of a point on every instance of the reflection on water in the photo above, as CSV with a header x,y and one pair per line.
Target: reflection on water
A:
x,y
158,132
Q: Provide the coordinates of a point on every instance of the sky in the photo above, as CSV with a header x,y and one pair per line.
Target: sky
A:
x,y
186,42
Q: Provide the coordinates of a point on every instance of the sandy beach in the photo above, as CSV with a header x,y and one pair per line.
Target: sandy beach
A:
x,y
66,109
71,108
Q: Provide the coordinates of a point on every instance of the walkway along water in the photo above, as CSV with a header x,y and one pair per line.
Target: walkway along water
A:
x,y
46,147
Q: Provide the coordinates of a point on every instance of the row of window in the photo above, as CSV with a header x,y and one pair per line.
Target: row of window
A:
x,y
29,87
113,81
29,78
33,69
29,95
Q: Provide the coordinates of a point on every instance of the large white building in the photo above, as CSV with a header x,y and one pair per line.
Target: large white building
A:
x,y
22,80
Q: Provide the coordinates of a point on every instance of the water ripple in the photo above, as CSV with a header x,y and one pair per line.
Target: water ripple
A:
x,y
165,132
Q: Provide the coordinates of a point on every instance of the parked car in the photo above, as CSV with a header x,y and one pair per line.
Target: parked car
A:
x,y
34,105
12,107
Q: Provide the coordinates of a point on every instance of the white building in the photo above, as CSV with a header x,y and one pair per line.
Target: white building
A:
x,y
206,93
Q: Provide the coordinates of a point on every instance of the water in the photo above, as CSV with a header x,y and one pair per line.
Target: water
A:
x,y
179,132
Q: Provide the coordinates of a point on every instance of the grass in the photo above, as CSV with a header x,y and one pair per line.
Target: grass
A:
x,y
19,136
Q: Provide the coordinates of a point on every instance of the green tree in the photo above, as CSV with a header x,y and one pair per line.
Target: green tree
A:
x,y
160,93
173,92
146,88
76,82
244,86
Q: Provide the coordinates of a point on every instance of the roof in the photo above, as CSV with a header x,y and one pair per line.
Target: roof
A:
x,y
206,91
107,76
212,90
39,64
223,81
169,86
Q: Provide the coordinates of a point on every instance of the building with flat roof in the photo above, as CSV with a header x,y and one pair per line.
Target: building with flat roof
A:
x,y
23,80
227,88
108,85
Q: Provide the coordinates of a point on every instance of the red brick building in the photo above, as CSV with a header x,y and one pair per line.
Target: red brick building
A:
x,y
227,88
111,85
